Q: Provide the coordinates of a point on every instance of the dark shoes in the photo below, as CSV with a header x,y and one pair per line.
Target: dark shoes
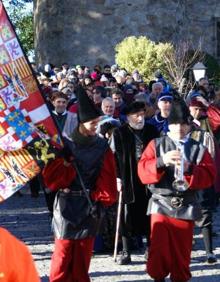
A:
x,y
161,280
211,258
124,259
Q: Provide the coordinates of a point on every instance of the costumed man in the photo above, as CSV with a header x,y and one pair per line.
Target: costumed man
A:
x,y
66,122
86,182
159,120
173,176
202,132
128,142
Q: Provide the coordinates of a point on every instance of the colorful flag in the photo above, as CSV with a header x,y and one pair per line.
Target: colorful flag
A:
x,y
28,135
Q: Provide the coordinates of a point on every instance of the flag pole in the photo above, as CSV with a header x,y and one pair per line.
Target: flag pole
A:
x,y
117,226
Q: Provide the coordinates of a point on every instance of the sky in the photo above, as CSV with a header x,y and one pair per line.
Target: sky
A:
x,y
27,7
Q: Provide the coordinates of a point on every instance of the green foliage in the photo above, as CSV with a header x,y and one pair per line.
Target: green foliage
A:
x,y
17,3
23,23
142,54
164,50
25,32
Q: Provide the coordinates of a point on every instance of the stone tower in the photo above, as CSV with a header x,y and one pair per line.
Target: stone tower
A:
x,y
86,31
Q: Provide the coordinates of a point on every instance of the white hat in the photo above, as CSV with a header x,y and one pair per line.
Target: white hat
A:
x,y
103,78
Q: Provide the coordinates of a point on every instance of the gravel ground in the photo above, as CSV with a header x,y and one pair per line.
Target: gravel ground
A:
x,y
27,218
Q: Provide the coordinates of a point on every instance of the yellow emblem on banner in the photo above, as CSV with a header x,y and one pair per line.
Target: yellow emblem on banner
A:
x,y
30,84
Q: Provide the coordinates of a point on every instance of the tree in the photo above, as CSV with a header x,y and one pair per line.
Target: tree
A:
x,y
178,61
174,61
23,22
20,3
142,54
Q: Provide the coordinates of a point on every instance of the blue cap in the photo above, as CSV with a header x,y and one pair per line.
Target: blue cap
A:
x,y
165,96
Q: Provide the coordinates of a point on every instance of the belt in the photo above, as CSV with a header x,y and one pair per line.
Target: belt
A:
x,y
75,193
175,201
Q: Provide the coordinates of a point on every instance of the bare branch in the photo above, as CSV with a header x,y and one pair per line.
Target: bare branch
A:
x,y
179,61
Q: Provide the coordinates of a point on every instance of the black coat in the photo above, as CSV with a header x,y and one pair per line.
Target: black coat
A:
x,y
73,217
135,199
124,143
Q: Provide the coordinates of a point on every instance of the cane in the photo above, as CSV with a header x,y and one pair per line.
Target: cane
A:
x,y
117,225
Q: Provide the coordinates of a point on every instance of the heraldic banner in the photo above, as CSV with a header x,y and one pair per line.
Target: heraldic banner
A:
x,y
28,135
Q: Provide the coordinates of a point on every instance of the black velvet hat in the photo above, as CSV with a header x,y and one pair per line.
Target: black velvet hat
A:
x,y
180,113
134,107
86,110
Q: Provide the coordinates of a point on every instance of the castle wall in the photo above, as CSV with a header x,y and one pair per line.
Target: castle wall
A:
x,y
86,31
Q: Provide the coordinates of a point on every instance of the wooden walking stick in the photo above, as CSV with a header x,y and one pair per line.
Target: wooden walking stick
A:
x,y
117,225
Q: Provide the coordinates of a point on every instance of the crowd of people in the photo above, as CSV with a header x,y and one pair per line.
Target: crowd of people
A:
x,y
144,141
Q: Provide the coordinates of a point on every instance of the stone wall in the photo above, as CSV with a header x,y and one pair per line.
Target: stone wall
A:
x,y
86,31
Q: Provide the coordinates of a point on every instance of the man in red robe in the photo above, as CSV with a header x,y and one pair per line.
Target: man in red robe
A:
x,y
172,176
86,182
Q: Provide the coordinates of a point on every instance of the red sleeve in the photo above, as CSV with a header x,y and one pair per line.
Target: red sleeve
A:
x,y
73,108
203,174
58,174
214,117
147,166
105,188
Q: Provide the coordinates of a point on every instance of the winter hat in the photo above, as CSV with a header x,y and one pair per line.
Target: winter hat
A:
x,y
87,110
103,78
134,107
107,67
192,95
180,113
196,103
141,97
128,88
165,96
94,75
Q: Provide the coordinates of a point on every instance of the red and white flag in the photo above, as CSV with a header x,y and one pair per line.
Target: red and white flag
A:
x,y
27,129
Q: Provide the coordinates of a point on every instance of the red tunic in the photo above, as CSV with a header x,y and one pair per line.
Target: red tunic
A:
x,y
214,117
150,174
71,258
105,189
171,238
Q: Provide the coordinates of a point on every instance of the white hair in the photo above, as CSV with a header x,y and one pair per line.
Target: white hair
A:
x,y
108,99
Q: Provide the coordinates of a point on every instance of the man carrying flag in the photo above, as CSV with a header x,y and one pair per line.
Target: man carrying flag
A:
x,y
85,178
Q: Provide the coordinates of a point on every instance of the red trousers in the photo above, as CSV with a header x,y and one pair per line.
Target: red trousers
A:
x,y
170,248
70,260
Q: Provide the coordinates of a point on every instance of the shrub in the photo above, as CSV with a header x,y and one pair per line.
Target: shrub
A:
x,y
142,54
